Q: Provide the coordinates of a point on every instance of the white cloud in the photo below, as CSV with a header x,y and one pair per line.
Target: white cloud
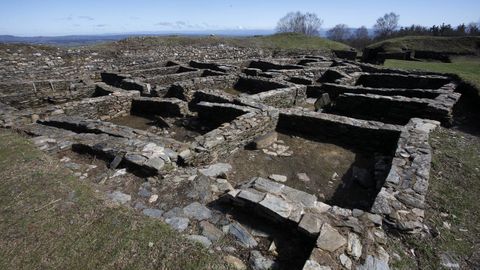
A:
x,y
88,18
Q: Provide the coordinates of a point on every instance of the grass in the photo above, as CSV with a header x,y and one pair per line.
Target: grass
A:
x,y
452,200
452,206
454,45
286,41
50,220
467,68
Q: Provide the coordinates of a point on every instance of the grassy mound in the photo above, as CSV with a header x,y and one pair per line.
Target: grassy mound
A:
x,y
468,68
50,220
448,45
287,41
452,207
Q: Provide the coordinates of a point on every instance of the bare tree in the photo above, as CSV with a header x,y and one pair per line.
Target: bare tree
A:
x,y
339,32
386,25
361,33
360,38
297,22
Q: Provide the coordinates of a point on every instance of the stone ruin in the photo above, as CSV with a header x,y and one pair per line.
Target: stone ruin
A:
x,y
298,162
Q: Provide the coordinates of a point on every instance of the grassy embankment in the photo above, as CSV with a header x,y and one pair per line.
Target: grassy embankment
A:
x,y
468,68
51,220
449,45
452,201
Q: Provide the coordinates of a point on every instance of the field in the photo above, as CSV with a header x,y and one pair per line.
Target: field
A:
x,y
454,188
454,45
468,68
51,220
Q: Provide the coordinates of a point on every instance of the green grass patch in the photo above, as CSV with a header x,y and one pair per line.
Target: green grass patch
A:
x,y
467,68
452,205
453,45
50,220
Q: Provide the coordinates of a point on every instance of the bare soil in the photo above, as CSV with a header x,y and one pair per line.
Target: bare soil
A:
x,y
180,129
232,91
320,161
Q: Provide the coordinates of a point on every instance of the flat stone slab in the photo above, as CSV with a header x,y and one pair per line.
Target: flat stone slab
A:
x,y
310,224
265,185
251,195
197,211
210,231
216,170
119,197
330,239
153,213
277,205
259,262
265,141
278,178
178,223
242,235
202,240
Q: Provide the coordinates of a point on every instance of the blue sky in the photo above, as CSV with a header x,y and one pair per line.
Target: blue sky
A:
x,y
65,17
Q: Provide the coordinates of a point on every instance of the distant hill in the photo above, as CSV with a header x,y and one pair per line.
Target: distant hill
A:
x,y
446,45
285,41
61,40
73,40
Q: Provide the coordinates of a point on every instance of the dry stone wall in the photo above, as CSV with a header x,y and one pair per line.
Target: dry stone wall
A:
x,y
227,99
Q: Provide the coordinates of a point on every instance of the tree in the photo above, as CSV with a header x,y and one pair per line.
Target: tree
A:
x,y
361,33
461,30
386,25
360,38
413,30
446,30
339,32
473,29
296,22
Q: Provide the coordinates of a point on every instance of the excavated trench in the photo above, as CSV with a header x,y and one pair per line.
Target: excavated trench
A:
x,y
338,174
338,160
182,129
288,247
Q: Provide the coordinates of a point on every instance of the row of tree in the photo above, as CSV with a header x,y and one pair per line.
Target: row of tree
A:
x,y
385,27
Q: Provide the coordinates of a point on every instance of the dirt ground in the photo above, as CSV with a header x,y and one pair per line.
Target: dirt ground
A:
x,y
180,129
328,166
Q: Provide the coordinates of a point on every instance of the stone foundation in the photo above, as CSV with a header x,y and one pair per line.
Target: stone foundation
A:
x,y
231,103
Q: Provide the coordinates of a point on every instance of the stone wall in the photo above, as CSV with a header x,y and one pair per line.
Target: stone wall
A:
x,y
265,65
84,125
223,141
213,96
346,54
396,109
389,80
113,78
402,198
33,63
38,93
359,133
168,107
104,107
255,85
213,66
217,114
334,90
156,71
185,89
343,239
282,98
